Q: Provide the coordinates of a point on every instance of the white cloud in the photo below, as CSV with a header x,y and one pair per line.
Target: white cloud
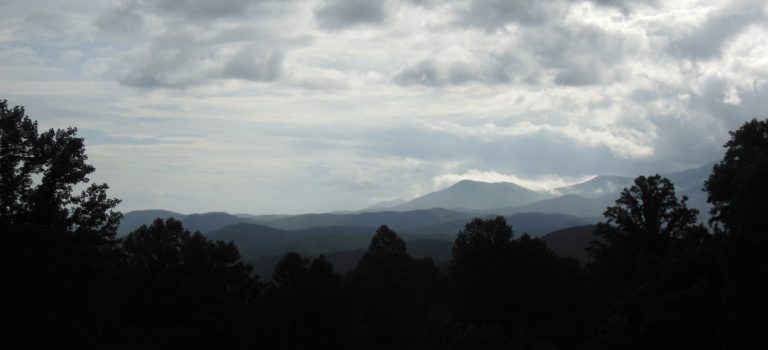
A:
x,y
544,183
325,105
623,142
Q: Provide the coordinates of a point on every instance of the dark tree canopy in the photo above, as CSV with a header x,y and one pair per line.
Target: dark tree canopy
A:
x,y
518,285
656,278
165,251
646,218
738,191
304,304
386,254
651,259
737,186
650,213
38,174
182,278
482,238
57,247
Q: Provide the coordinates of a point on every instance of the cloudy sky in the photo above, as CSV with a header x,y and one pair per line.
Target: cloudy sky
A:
x,y
312,106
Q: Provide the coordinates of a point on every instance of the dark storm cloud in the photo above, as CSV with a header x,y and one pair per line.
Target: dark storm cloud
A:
x,y
623,5
582,55
423,73
487,70
683,141
537,153
181,67
251,64
578,75
496,14
339,14
706,41
205,9
187,48
44,24
123,19
515,87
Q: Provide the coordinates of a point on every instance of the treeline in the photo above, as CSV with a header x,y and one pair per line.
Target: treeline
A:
x,y
655,278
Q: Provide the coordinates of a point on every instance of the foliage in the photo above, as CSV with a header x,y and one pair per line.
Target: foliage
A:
x,y
38,174
57,246
304,304
736,187
391,294
645,221
738,191
183,288
657,268
656,279
516,284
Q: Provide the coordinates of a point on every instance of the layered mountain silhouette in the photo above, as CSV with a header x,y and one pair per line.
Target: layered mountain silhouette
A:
x,y
587,199
563,217
475,195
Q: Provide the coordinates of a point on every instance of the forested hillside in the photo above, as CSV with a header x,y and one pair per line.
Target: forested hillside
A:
x,y
653,277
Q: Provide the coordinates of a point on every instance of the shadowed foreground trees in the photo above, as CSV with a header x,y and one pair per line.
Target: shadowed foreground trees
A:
x,y
738,191
184,290
646,220
392,295
655,280
658,272
58,247
517,286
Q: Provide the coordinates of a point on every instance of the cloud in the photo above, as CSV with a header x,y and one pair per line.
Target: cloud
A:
x,y
583,54
624,5
455,66
539,183
626,143
20,56
496,14
706,40
123,19
180,67
340,14
204,9
324,105
251,64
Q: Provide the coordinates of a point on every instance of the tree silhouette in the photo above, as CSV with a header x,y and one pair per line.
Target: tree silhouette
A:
x,y
39,173
56,245
478,268
391,295
305,305
736,187
659,271
516,284
186,289
738,191
646,219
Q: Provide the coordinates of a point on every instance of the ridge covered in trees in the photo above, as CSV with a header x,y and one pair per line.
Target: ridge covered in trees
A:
x,y
655,277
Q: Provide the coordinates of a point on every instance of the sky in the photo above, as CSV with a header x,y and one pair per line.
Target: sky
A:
x,y
286,106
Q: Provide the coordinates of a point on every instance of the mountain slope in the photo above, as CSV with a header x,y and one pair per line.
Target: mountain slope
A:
x,y
397,220
572,241
598,186
475,195
133,219
205,222
535,224
570,204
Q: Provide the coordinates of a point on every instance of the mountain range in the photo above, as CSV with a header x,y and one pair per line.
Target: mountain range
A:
x,y
563,217
585,199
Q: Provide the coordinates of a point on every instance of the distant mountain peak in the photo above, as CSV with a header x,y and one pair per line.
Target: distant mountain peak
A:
x,y
475,195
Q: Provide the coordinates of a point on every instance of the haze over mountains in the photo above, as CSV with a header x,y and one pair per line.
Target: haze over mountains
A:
x,y
426,220
587,199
